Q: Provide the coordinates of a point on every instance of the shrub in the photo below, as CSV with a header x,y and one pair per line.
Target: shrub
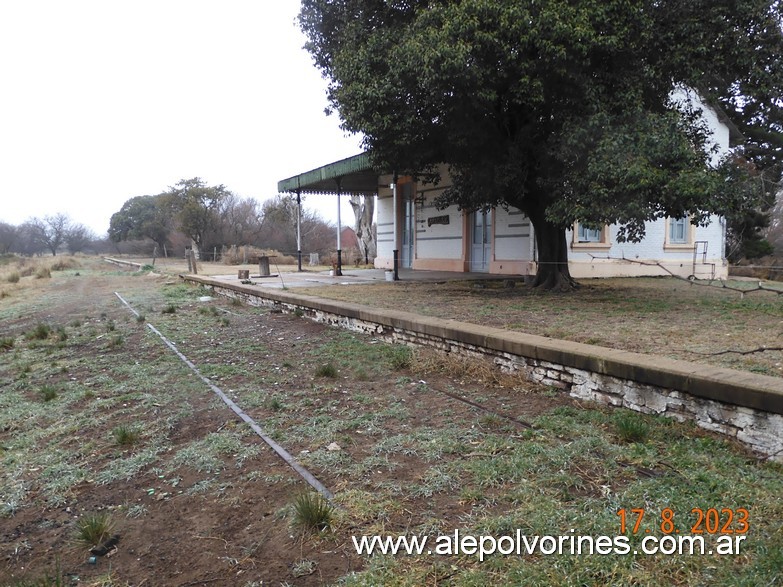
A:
x,y
13,277
43,273
400,357
170,309
312,512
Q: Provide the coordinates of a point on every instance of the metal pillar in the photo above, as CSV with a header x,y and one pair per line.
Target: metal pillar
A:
x,y
396,257
339,270
299,231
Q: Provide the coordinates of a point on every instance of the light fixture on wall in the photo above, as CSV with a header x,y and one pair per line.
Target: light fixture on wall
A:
x,y
419,200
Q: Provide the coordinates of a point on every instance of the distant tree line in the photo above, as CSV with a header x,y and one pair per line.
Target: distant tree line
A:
x,y
212,218
49,235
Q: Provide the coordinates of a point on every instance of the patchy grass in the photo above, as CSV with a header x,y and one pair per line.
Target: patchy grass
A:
x,y
312,512
402,458
662,316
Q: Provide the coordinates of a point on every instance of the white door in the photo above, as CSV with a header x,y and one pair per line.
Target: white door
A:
x,y
481,241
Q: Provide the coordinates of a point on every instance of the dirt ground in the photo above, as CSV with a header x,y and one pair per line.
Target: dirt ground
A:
x,y
180,520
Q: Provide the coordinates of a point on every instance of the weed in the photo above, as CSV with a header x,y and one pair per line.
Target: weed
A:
x,y
400,357
274,404
6,343
41,331
13,277
298,312
326,370
312,512
110,327
43,273
170,309
94,529
4,294
61,334
303,568
48,393
224,321
631,428
140,318
116,341
125,435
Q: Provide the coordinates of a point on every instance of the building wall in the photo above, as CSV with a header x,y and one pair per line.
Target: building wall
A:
x,y
442,237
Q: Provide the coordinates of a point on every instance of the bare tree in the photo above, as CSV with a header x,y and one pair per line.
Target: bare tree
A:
x,y
78,237
49,232
8,235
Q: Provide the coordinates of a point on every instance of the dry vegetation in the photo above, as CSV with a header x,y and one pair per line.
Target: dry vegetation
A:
x,y
104,431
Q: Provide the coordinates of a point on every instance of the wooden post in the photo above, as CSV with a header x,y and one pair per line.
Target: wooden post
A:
x,y
194,269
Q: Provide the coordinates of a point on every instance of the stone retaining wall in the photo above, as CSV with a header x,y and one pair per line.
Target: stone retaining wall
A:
x,y
745,406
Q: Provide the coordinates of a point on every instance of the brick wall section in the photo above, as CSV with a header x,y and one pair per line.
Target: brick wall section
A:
x,y
745,406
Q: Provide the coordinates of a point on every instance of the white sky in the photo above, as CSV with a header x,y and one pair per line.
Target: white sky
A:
x,y
104,100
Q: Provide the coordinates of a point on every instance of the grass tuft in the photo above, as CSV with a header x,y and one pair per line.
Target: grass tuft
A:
x,y
170,309
631,428
48,393
13,277
125,435
326,370
312,512
6,343
40,332
400,357
43,273
94,529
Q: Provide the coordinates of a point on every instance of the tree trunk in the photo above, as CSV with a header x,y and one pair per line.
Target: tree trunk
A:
x,y
553,273
363,210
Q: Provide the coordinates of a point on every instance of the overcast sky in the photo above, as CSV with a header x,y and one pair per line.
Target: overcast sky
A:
x,y
104,100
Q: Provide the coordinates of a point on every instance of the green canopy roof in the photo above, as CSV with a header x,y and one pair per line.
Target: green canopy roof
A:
x,y
353,175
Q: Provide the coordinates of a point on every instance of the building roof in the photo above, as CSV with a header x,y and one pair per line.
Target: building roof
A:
x,y
353,175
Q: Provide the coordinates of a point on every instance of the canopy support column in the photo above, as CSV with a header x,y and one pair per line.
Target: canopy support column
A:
x,y
339,270
396,252
299,230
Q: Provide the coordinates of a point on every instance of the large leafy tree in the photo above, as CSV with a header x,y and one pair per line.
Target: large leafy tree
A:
x,y
143,217
198,209
560,108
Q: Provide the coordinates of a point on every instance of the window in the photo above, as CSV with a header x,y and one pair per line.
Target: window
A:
x,y
680,233
678,230
590,238
588,235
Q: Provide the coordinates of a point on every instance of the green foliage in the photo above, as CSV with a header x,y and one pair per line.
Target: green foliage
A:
x,y
125,435
48,393
327,370
169,309
41,331
6,343
94,529
562,110
400,357
312,512
631,427
143,217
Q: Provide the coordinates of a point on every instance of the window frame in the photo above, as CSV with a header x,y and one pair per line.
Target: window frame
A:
x,y
602,242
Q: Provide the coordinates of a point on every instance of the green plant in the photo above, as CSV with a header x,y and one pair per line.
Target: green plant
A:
x,y
116,341
125,435
170,309
6,343
141,318
62,335
94,529
298,312
13,277
48,393
631,428
326,370
400,357
41,331
312,512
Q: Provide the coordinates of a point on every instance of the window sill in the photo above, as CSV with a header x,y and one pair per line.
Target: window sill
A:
x,y
591,246
678,246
